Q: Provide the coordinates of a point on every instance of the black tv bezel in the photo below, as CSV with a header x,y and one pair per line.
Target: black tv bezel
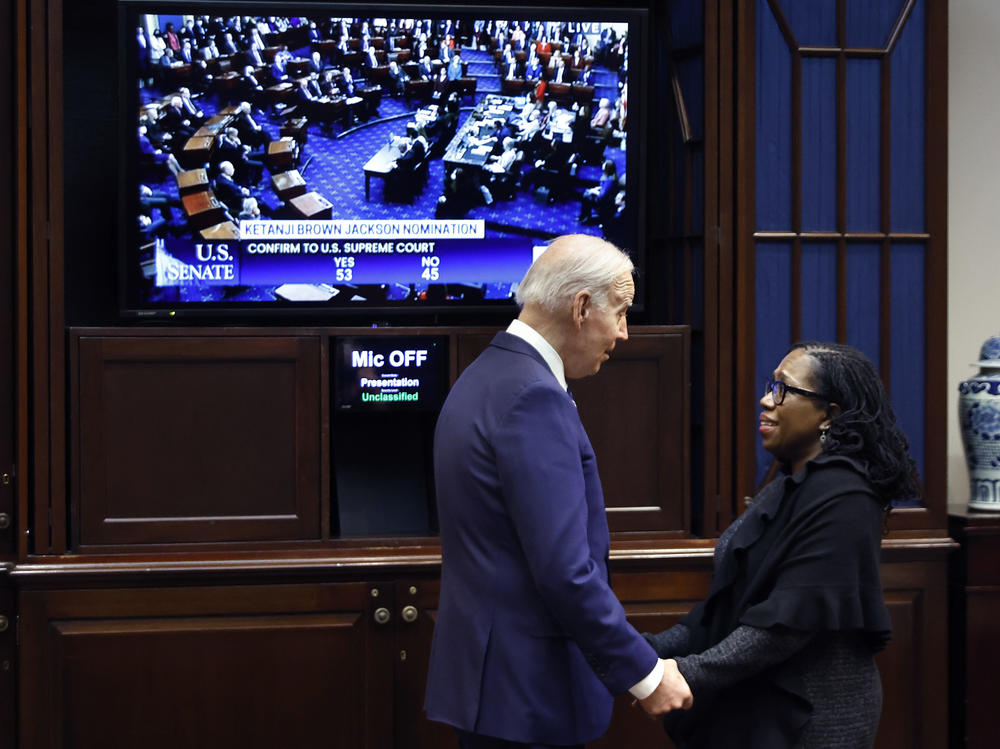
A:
x,y
132,309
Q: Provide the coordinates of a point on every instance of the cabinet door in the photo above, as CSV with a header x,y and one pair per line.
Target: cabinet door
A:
x,y
637,413
8,655
291,666
196,439
416,601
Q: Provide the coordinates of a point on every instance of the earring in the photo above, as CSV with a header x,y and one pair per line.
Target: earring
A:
x,y
822,435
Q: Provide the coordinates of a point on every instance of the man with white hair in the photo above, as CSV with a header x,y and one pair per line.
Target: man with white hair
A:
x,y
174,119
227,191
151,155
187,52
191,110
426,69
503,170
601,121
316,63
530,643
249,87
397,78
455,67
250,132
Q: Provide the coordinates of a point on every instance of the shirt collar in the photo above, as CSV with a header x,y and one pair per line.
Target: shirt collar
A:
x,y
537,341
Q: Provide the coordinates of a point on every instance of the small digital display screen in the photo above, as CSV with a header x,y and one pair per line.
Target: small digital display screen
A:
x,y
386,373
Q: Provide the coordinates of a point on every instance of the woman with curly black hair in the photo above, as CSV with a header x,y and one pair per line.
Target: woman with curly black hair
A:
x,y
781,652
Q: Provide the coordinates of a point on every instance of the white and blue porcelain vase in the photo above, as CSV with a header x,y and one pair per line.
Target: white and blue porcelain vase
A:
x,y
979,417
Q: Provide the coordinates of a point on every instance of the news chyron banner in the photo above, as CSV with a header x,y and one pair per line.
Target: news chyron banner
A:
x,y
418,251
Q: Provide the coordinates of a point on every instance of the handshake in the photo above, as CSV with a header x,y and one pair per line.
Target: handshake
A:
x,y
672,693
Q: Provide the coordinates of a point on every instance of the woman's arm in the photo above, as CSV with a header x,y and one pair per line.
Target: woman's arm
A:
x,y
744,653
672,642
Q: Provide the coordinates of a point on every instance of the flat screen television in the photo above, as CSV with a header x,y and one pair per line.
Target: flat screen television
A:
x,y
369,160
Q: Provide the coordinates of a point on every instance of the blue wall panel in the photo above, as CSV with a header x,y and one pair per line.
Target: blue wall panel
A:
x,y
813,22
819,144
687,19
907,129
774,331
870,23
819,292
774,125
907,377
863,297
863,139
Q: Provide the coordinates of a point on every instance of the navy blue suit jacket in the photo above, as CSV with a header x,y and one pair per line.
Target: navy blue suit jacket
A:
x,y
530,643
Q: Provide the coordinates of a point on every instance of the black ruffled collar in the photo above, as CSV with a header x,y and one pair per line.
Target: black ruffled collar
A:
x,y
824,459
765,508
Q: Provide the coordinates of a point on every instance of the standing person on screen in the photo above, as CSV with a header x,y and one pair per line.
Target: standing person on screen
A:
x,y
530,643
781,653
455,67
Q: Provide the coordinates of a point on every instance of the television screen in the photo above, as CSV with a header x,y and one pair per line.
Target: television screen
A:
x,y
342,158
382,373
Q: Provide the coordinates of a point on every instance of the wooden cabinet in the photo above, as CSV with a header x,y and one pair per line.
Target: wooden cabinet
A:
x,y
293,651
8,659
195,439
267,627
301,663
208,436
252,666
974,611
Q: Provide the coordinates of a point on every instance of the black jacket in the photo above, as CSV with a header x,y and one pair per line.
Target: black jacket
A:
x,y
805,557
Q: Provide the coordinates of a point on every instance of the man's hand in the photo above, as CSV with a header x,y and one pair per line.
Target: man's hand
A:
x,y
673,692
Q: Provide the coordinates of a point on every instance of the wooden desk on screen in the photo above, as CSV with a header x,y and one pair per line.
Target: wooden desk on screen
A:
x,y
213,125
280,93
281,154
513,86
418,89
560,92
380,165
582,93
223,230
177,75
326,47
289,184
197,151
312,205
203,209
297,67
228,81
193,180
295,128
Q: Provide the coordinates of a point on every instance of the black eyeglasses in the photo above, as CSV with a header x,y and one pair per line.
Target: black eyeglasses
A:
x,y
777,389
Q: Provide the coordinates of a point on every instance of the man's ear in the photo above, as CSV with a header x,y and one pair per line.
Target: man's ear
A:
x,y
582,302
